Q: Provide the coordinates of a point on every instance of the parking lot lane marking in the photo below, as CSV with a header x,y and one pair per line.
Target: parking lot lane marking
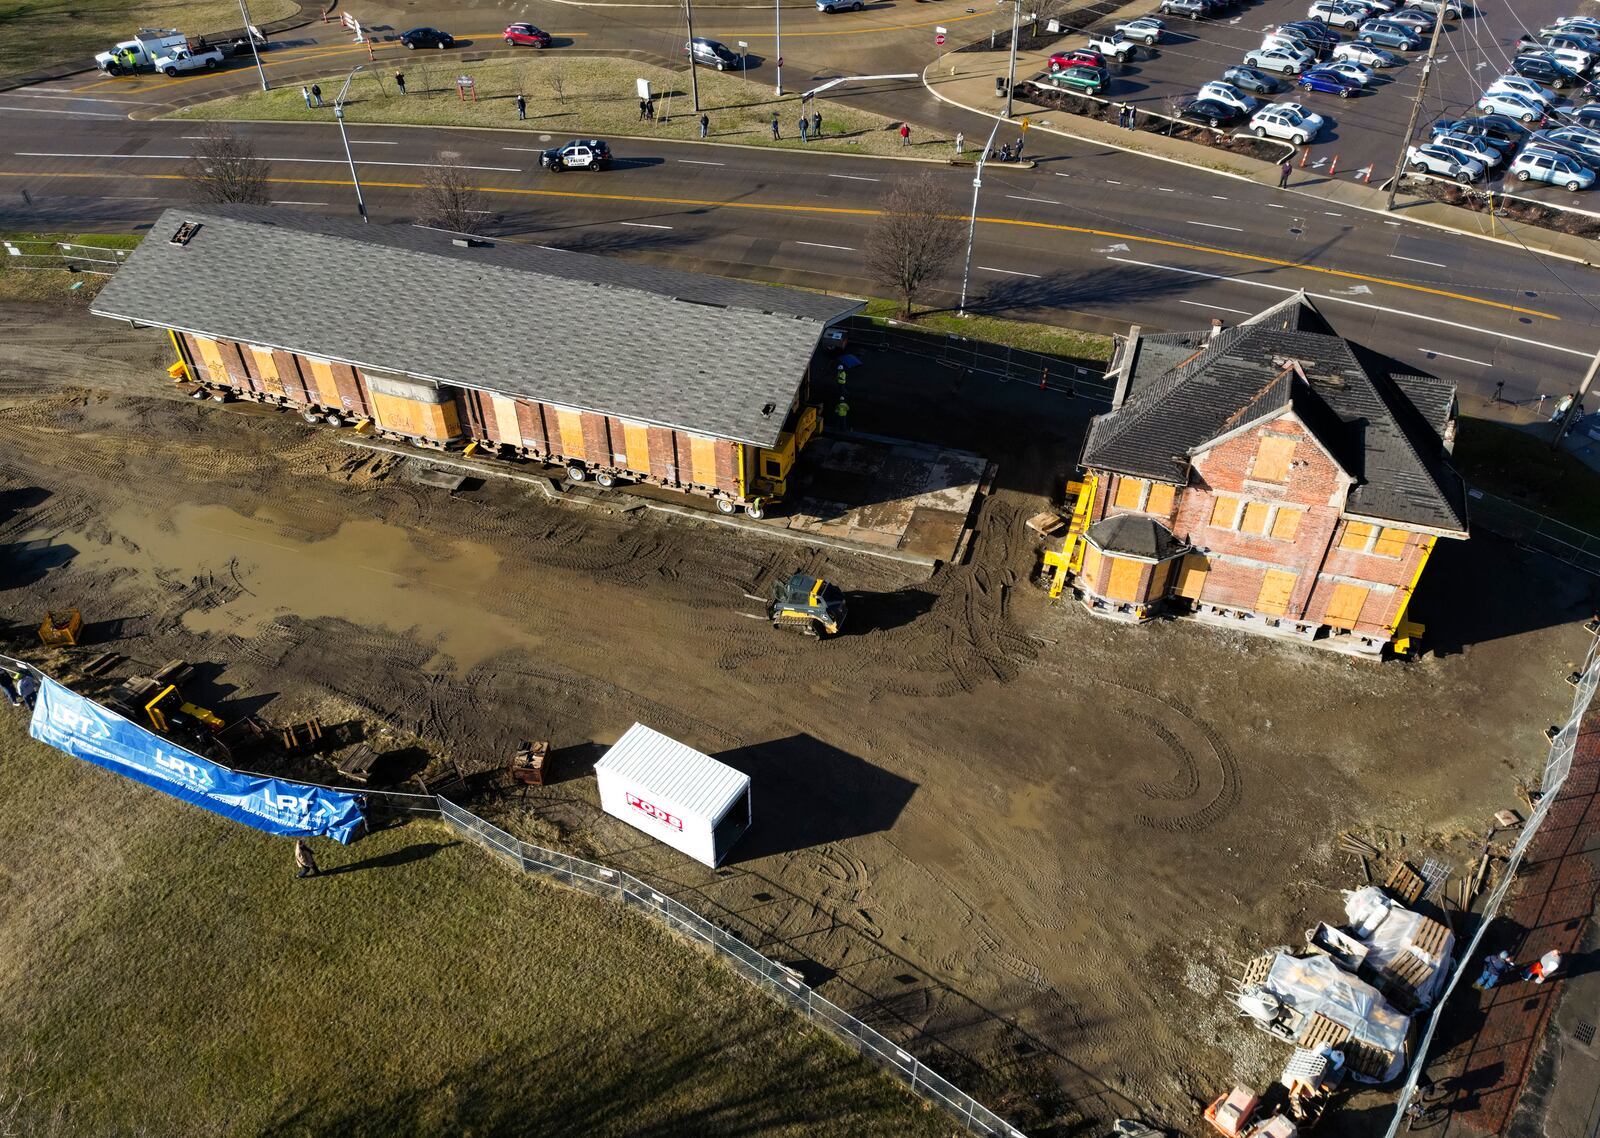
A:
x,y
1274,205
820,245
1007,272
643,225
1448,356
1059,174
370,142
697,162
1020,198
1218,198
1166,190
853,177
1112,182
1218,307
1417,261
1391,223
1330,213
286,201
60,111
1214,225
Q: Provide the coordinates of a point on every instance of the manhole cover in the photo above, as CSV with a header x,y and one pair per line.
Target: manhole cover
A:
x,y
1584,1032
1295,229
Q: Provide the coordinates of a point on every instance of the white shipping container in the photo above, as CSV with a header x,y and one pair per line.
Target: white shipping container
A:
x,y
674,793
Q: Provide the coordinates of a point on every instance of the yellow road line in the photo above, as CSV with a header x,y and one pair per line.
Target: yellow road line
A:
x,y
849,211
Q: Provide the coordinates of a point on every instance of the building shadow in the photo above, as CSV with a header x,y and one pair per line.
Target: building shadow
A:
x,y
1457,601
27,562
806,793
15,499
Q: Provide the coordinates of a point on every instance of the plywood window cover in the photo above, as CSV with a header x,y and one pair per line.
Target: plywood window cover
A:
x,y
1273,458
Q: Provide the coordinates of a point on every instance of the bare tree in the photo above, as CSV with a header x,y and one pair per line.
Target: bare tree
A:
x,y
558,82
914,238
449,199
225,168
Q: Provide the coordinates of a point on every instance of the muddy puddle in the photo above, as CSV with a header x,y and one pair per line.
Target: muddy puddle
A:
x,y
368,572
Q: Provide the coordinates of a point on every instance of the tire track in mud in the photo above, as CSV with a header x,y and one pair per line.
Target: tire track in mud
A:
x,y
1230,788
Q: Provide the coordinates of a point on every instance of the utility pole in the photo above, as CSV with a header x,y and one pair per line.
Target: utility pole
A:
x,y
694,76
1011,75
338,113
1572,408
972,225
777,33
250,34
1416,108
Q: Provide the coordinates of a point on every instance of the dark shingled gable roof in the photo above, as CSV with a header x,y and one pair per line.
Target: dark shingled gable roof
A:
x,y
714,357
1382,426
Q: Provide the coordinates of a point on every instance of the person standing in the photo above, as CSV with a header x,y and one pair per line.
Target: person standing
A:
x,y
1498,388
961,142
1561,407
774,126
305,93
1019,148
816,124
9,681
1543,968
905,134
842,413
805,129
1133,117
28,690
304,859
522,107
1495,967
644,109
843,377
705,124
400,81
316,95
1284,170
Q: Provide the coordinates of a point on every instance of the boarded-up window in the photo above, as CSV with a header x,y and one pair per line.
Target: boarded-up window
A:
x,y
1390,543
1272,460
1160,501
1255,518
1355,537
1192,576
1124,583
1344,607
1286,524
1091,567
1275,589
1223,513
1130,492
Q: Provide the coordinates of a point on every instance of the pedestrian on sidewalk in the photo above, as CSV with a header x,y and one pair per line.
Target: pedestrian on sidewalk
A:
x,y
305,93
705,124
905,134
816,124
805,129
1561,408
961,142
1284,170
304,859
1018,154
1495,966
400,81
522,107
774,126
1543,968
1498,388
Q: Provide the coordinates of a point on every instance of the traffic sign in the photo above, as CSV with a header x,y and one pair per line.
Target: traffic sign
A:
x,y
938,35
1024,125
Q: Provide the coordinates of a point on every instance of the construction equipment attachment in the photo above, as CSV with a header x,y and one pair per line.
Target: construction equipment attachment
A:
x,y
62,628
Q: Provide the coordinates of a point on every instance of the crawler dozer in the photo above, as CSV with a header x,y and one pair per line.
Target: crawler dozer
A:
x,y
807,604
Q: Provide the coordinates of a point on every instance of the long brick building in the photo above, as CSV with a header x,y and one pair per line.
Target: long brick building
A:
x,y
1272,476
613,370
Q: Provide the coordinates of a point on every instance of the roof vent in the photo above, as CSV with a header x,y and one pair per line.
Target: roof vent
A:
x,y
470,242
185,233
768,408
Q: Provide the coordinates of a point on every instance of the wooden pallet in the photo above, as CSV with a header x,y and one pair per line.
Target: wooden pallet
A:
x,y
1429,939
1405,884
1362,1057
1257,970
1409,970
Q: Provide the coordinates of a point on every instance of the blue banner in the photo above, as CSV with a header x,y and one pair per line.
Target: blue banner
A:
x,y
69,722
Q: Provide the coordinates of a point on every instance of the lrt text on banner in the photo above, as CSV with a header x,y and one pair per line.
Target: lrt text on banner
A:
x,y
79,726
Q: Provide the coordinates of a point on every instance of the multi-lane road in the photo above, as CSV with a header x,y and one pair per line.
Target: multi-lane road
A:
x,y
1090,235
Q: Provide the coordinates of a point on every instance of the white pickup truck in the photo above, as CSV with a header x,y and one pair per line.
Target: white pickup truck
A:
x,y
188,57
139,53
1113,45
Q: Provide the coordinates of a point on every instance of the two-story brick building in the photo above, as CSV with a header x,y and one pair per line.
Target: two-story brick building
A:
x,y
1272,476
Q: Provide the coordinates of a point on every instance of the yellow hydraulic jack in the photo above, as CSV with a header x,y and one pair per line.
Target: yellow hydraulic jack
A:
x,y
1069,558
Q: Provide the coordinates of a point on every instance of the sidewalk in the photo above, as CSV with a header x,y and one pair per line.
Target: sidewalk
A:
x,y
966,80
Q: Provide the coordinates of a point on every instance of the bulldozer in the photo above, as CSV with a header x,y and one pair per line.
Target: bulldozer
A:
x,y
808,604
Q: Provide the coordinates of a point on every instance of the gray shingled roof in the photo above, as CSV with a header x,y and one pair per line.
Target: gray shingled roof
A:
x,y
1136,535
1355,405
699,353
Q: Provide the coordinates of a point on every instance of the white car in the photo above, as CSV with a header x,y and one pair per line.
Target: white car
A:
x,y
1351,70
1146,29
1517,85
1443,161
1583,25
1472,145
1513,106
1288,121
1285,60
1535,165
1369,55
1228,95
1578,62
1338,13
1116,45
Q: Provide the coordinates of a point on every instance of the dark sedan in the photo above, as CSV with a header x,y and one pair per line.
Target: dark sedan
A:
x,y
1250,79
427,37
1328,82
1210,112
1543,69
1502,131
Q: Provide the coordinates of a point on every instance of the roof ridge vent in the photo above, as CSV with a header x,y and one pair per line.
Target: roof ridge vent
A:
x,y
184,233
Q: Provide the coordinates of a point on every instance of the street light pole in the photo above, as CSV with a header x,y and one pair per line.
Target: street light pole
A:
x,y
777,32
338,113
250,34
1416,109
972,225
1016,27
694,75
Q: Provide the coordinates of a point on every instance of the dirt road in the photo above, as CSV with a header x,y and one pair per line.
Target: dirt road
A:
x,y
1033,846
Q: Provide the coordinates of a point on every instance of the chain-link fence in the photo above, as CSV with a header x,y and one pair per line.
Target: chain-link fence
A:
x,y
1534,530
1556,767
100,259
776,980
1053,373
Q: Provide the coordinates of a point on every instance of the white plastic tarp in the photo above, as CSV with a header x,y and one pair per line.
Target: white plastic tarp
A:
x,y
1314,985
1389,930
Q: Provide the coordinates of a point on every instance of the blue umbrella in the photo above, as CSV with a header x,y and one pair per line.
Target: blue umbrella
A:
x,y
849,361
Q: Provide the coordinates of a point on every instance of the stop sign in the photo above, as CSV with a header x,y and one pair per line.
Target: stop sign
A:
x,y
939,39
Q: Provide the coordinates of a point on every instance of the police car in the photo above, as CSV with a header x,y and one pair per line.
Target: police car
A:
x,y
579,154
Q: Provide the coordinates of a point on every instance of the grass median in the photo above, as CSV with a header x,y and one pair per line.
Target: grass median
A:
x,y
163,972
571,96
40,32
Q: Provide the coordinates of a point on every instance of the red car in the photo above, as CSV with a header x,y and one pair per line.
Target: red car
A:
x,y
1078,57
526,35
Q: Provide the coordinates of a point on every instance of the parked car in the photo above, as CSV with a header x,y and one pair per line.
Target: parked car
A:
x,y
1581,138
1227,93
1338,13
525,35
1451,9
1546,140
1543,69
1498,130
1288,60
1517,85
1513,106
1210,112
1328,82
1575,60
427,37
1538,165
1415,18
1443,162
1385,34
579,154
1571,38
1588,116
711,53
1578,25
1287,121
1075,57
1359,74
1318,30
839,5
1082,77
1148,30
1476,145
175,62
1249,79
1193,9
1366,54
1116,45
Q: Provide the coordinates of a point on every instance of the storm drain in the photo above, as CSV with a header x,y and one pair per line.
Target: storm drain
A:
x,y
1584,1033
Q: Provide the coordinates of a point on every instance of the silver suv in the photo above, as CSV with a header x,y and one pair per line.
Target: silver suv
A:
x,y
1535,165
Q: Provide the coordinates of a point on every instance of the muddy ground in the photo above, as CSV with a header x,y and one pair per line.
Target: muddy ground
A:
x,y
1033,846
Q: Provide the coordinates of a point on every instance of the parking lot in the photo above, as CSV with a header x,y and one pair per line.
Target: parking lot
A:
x,y
1364,130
